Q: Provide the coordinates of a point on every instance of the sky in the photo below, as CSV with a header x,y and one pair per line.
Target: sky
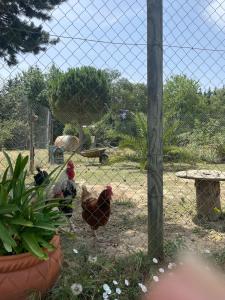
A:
x,y
193,37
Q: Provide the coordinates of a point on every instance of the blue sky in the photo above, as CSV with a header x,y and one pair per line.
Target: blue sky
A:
x,y
190,23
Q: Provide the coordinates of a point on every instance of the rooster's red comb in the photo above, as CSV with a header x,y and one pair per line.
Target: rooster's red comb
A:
x,y
70,164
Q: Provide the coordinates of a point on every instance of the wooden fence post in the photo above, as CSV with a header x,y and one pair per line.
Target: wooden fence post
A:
x,y
155,128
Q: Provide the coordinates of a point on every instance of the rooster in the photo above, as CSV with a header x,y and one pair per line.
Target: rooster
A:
x,y
96,211
65,188
41,177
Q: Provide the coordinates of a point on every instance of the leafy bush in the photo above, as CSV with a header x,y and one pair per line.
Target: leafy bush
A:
x,y
179,154
27,223
138,142
70,129
13,134
87,138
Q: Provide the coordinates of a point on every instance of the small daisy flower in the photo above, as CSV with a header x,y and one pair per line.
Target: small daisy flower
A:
x,y
156,278
107,289
171,266
75,251
143,287
161,270
207,251
155,260
92,259
127,283
115,282
105,295
76,289
118,291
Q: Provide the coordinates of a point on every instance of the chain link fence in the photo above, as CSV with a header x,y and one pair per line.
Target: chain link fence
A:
x,y
92,85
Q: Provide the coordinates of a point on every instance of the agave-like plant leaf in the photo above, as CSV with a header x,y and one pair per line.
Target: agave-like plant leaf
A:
x,y
32,245
9,162
6,237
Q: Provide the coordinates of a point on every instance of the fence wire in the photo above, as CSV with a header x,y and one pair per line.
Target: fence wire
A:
x,y
91,87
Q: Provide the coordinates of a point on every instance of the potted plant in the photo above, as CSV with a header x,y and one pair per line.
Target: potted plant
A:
x,y
30,253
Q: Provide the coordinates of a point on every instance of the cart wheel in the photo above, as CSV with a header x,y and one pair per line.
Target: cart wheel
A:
x,y
103,159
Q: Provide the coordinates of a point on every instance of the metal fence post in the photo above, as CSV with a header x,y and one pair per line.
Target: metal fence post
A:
x,y
155,125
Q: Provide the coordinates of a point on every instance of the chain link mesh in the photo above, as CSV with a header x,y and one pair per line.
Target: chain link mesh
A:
x,y
111,36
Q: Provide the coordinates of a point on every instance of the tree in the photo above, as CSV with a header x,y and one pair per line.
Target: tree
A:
x,y
130,96
18,33
182,103
18,97
79,96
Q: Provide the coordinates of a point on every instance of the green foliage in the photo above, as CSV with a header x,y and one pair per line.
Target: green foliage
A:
x,y
87,138
179,154
35,87
79,95
182,102
210,133
18,33
12,133
172,247
27,223
128,95
70,129
138,141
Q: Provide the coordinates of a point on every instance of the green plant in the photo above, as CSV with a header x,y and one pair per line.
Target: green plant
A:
x,y
27,223
138,142
179,154
70,129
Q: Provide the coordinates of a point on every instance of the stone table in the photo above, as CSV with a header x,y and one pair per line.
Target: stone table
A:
x,y
207,184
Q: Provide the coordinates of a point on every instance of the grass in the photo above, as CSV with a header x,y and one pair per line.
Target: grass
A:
x,y
77,269
122,251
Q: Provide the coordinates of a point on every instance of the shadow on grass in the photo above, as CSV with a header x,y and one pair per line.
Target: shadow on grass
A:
x,y
176,167
218,225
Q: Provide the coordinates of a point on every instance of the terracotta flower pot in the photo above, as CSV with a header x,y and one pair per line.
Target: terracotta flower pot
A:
x,y
24,273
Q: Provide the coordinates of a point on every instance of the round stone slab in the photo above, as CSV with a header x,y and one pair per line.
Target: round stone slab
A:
x,y
202,175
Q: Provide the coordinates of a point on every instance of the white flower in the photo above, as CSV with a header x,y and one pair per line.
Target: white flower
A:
x,y
161,270
171,265
143,287
92,259
115,282
118,291
207,251
156,278
105,295
76,289
107,289
75,251
127,283
155,260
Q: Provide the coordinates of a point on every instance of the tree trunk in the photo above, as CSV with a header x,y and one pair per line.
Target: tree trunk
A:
x,y
81,138
208,198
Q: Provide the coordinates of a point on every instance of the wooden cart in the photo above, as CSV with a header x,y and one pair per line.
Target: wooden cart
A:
x,y
96,152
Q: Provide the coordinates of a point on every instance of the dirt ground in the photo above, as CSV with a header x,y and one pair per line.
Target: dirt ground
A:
x,y
126,231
